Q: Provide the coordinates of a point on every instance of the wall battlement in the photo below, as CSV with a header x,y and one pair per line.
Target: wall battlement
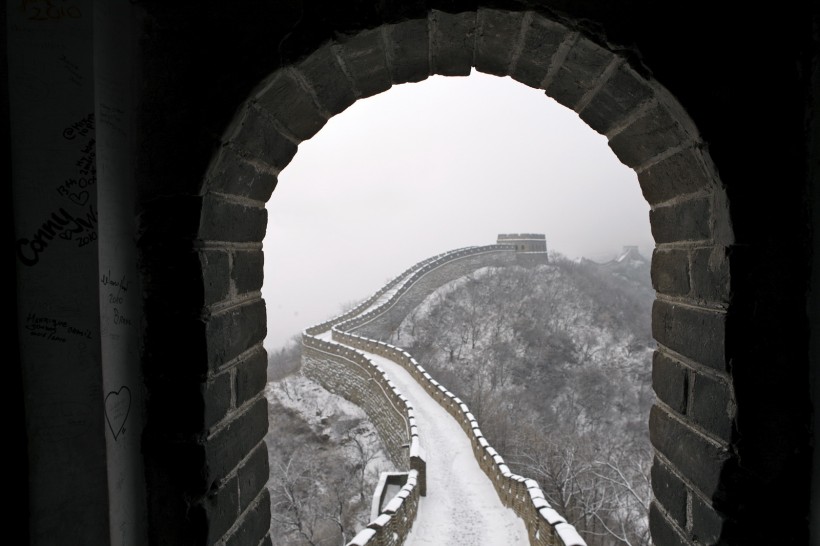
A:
x,y
343,367
525,242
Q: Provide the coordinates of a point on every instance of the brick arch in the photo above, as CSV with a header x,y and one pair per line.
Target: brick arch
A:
x,y
692,424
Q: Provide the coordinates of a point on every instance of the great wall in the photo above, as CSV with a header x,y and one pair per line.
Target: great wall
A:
x,y
342,355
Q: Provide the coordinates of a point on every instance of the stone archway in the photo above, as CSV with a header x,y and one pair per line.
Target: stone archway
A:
x,y
692,424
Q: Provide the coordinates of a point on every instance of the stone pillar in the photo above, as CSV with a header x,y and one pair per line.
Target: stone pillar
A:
x,y
53,149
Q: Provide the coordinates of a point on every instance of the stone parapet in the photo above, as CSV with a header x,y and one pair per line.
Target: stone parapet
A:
x,y
342,366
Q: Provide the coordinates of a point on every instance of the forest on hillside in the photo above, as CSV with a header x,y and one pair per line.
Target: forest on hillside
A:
x,y
325,458
555,363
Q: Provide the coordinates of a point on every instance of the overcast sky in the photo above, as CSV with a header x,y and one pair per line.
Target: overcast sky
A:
x,y
432,166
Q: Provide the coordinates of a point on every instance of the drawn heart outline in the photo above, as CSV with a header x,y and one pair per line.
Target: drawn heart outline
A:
x,y
79,198
117,410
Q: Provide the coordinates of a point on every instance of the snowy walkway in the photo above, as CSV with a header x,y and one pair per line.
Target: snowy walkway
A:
x,y
461,507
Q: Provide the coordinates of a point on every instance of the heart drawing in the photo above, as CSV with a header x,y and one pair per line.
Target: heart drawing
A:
x,y
117,406
79,198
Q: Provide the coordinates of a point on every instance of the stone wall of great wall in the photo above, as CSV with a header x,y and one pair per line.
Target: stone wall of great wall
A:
x,y
342,366
382,325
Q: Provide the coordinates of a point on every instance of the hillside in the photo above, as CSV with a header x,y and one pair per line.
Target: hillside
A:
x,y
325,457
554,360
555,363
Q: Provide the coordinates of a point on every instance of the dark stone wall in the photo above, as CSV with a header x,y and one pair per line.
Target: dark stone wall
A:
x,y
717,124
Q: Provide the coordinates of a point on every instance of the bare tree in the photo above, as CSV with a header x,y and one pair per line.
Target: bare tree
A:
x,y
363,455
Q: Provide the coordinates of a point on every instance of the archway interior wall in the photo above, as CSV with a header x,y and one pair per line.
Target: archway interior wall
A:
x,y
691,424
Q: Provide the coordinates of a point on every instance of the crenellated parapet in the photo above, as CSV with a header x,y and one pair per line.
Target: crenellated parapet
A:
x,y
337,357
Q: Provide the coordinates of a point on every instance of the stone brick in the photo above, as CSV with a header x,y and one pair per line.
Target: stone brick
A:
x,y
670,492
325,76
681,173
670,272
695,333
225,449
579,72
711,274
671,382
494,45
216,274
663,532
621,94
217,397
253,476
257,137
224,220
251,376
234,331
291,105
409,51
698,459
248,271
452,42
254,525
647,137
364,58
685,221
233,175
541,41
711,409
707,523
217,511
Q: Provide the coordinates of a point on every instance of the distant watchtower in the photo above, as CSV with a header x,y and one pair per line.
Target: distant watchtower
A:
x,y
530,248
524,242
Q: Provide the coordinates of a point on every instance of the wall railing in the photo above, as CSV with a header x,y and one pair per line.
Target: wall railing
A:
x,y
545,526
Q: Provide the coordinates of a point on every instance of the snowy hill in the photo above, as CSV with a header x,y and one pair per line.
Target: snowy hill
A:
x,y
555,363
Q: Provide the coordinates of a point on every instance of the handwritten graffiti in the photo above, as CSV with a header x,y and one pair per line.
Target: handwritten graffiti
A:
x,y
117,408
52,329
120,319
49,10
74,188
87,163
117,297
80,128
120,285
81,197
60,224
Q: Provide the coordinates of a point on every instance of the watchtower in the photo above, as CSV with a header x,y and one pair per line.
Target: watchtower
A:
x,y
524,242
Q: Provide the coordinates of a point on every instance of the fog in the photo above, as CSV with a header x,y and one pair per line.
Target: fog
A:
x,y
432,166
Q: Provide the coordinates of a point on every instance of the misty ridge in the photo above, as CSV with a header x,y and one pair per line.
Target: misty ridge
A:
x,y
554,361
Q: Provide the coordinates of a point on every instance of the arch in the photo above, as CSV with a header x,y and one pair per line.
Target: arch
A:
x,y
693,423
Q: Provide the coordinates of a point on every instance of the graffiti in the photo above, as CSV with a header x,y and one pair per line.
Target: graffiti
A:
x,y
60,224
79,128
49,10
51,329
107,280
87,163
87,167
121,320
117,297
117,408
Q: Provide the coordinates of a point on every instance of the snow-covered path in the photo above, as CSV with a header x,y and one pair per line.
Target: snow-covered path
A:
x,y
461,507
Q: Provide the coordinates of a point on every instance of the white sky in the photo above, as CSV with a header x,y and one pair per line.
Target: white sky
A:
x,y
432,166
